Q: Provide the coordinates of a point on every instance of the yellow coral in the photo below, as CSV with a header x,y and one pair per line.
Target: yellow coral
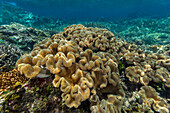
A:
x,y
9,79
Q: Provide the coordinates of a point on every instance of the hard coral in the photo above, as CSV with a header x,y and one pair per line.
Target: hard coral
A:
x,y
21,36
8,79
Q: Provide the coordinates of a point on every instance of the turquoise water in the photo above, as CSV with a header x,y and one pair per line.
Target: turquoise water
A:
x,y
147,20
83,9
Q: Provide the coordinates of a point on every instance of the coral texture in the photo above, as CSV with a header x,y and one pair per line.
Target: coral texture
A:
x,y
8,79
85,62
152,99
147,67
8,56
78,73
21,36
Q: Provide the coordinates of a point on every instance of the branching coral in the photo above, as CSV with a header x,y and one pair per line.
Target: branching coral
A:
x,y
21,36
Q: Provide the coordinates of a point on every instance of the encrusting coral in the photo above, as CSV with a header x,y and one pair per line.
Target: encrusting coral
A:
x,y
9,79
85,64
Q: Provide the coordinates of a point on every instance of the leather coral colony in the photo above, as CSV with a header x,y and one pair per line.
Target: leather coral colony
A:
x,y
85,64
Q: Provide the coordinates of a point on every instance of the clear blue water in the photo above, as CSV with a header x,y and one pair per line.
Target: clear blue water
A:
x,y
83,9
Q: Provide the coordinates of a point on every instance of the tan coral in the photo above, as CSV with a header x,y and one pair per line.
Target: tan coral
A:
x,y
162,73
85,62
92,38
134,58
78,70
28,70
164,62
151,98
89,73
144,73
112,105
134,73
43,44
31,64
167,84
76,90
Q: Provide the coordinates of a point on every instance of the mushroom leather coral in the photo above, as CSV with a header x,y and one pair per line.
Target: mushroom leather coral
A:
x,y
112,105
85,64
151,98
77,72
91,73
143,68
92,38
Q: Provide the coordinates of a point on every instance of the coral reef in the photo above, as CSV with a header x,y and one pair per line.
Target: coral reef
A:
x,y
21,36
18,15
9,54
148,30
90,64
38,95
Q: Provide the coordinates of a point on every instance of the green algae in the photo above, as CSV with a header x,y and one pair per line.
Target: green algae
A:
x,y
2,41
